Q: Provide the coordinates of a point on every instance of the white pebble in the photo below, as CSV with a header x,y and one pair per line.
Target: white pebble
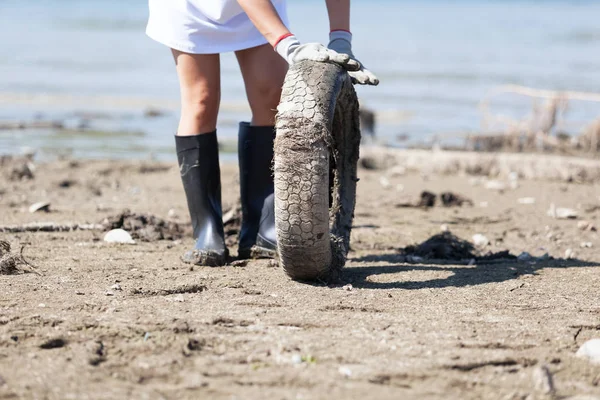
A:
x,y
480,240
109,293
40,206
119,236
444,228
296,359
345,371
116,286
495,185
172,213
347,287
587,245
484,204
590,350
569,253
526,200
561,213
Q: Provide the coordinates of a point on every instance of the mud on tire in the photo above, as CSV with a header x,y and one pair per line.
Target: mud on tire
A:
x,y
316,155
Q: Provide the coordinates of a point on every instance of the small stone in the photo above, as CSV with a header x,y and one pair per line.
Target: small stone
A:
x,y
116,286
526,200
495,185
108,293
586,245
40,206
590,351
41,305
569,254
484,204
172,214
480,240
444,228
347,287
561,213
119,236
296,359
524,256
345,371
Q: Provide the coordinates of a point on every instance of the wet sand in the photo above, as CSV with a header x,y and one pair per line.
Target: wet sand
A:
x,y
109,321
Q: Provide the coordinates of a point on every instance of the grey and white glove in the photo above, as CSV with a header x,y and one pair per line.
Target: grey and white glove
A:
x,y
341,42
292,51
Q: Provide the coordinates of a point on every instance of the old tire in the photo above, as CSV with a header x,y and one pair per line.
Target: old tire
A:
x,y
316,156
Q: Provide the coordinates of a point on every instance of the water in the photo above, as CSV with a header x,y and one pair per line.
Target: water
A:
x,y
436,60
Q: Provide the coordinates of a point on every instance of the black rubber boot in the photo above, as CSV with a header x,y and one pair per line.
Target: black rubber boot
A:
x,y
255,150
198,158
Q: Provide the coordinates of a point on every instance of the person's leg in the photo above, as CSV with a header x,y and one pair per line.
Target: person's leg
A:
x,y
200,90
198,155
263,71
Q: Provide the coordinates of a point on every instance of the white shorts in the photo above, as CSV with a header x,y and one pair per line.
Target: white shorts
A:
x,y
205,26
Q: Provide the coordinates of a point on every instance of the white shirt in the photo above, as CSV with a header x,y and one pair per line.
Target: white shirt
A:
x,y
205,26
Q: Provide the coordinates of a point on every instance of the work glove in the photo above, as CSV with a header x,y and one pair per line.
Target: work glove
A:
x,y
292,51
341,43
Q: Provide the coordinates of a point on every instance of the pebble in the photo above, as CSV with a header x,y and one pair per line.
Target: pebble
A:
x,y
480,240
587,245
526,200
561,213
590,350
484,204
296,359
40,206
116,286
118,236
569,254
444,228
345,371
348,287
109,293
172,213
495,185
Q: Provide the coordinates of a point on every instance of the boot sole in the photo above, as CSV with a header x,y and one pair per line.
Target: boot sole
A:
x,y
205,258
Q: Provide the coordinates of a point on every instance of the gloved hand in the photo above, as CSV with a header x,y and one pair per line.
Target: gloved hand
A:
x,y
341,42
292,51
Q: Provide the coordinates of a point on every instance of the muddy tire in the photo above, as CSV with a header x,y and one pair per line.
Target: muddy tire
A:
x,y
316,156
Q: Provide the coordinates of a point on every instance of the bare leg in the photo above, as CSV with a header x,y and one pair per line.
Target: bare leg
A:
x,y
200,87
263,71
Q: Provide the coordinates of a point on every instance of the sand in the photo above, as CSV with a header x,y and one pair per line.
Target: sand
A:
x,y
105,321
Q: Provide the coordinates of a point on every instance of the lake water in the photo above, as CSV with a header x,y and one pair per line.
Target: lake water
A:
x,y
77,60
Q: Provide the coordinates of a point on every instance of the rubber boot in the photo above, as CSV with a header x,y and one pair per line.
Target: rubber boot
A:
x,y
255,150
198,158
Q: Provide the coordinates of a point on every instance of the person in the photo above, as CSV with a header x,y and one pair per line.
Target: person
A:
x,y
197,31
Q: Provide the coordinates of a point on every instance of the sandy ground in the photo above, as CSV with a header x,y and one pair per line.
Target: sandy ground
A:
x,y
131,321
